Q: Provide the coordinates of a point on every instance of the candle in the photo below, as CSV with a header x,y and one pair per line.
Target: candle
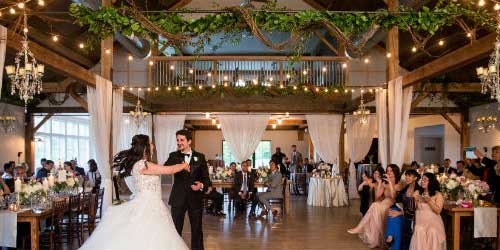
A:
x,y
61,176
492,69
479,71
45,184
28,67
51,180
17,185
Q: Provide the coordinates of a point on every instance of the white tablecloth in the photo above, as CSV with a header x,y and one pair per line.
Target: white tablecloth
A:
x,y
8,228
327,192
485,222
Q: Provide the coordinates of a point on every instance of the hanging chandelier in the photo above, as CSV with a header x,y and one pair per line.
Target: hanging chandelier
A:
x,y
486,123
26,75
8,121
138,115
490,78
362,112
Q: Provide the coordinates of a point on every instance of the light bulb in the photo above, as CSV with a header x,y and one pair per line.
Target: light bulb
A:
x,y
414,49
41,2
81,45
273,126
324,69
156,89
191,71
172,67
304,72
469,34
497,6
130,58
287,114
55,38
25,30
207,115
441,42
344,65
279,121
481,3
108,51
12,11
388,55
200,87
20,5
151,63
367,60
209,74
287,76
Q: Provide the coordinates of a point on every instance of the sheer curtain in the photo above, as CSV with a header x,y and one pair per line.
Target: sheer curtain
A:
x,y
129,129
399,103
243,133
359,138
325,135
117,119
3,46
165,128
99,103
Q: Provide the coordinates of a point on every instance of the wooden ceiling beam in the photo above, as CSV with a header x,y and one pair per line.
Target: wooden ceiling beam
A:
x,y
453,87
208,122
315,4
475,50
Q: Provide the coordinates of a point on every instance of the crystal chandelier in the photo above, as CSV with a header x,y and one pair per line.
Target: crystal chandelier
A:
x,y
490,78
8,121
138,115
486,123
362,112
26,75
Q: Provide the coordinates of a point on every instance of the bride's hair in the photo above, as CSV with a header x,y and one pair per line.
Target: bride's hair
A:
x,y
126,159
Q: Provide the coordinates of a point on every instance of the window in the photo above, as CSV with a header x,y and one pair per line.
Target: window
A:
x,y
63,138
260,157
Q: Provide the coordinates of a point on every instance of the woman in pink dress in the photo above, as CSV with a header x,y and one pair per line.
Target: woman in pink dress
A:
x,y
429,233
371,227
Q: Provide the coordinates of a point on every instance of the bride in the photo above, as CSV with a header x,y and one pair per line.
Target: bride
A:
x,y
144,222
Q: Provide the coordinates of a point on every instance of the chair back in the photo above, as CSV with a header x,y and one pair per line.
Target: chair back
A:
x,y
99,202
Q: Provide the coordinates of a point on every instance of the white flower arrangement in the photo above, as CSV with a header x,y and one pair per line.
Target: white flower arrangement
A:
x,y
323,171
30,190
263,174
477,188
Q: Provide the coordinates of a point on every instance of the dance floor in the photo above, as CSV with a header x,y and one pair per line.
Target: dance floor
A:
x,y
303,227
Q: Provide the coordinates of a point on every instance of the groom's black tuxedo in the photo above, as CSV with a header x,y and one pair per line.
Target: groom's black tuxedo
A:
x,y
183,198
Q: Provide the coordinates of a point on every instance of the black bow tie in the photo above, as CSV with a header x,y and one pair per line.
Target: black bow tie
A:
x,y
188,155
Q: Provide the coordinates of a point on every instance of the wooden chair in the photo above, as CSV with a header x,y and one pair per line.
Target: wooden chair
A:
x,y
87,216
99,198
280,201
301,184
71,227
51,236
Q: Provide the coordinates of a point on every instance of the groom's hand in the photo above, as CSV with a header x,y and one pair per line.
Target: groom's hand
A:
x,y
197,186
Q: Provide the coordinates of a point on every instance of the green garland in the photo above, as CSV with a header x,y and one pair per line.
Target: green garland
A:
x,y
426,22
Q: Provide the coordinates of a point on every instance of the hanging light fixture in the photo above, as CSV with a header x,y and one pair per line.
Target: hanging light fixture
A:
x,y
26,75
362,112
490,78
8,121
486,123
138,115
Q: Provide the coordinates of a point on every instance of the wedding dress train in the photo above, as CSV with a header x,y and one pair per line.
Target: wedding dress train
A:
x,y
143,223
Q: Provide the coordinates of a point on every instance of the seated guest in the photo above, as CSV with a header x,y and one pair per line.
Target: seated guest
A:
x,y
308,167
429,231
459,170
4,188
93,176
20,172
446,167
394,223
491,173
8,175
45,171
365,192
68,167
244,183
275,190
217,200
78,170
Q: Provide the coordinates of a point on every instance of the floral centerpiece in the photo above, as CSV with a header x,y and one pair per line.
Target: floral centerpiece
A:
x,y
452,184
31,190
64,184
263,174
476,188
221,174
323,171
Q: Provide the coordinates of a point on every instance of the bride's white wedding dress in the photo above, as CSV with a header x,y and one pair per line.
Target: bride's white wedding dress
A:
x,y
142,223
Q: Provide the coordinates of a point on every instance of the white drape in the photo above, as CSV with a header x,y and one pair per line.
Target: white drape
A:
x,y
325,135
165,128
117,119
99,104
243,133
129,129
399,103
3,50
359,138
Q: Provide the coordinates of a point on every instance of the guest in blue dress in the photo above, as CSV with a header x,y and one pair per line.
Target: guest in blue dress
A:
x,y
394,223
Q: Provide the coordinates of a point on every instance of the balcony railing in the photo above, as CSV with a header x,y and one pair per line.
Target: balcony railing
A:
x,y
206,71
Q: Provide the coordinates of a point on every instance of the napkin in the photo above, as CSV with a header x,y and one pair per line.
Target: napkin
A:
x,y
485,222
8,228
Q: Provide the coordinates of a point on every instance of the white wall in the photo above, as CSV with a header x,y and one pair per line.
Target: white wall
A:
x,y
480,139
451,137
13,142
209,142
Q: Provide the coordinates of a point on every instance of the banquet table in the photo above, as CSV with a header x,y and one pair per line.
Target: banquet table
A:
x,y
34,220
326,192
456,213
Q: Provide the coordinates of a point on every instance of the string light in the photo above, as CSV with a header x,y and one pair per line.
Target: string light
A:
x,y
169,89
281,86
172,67
469,34
108,51
414,49
12,11
326,90
55,38
218,125
213,86
481,3
497,6
20,5
305,89
367,60
214,121
352,90
317,89
151,63
304,72
254,81
225,84
287,114
345,91
294,87
279,121
41,2
336,91
324,69
156,89
441,42
176,87
25,30
388,55
225,78
344,65
209,74
200,87
81,45
189,88
123,88
139,89
273,126
149,89
287,76
131,89
271,79
130,58
191,71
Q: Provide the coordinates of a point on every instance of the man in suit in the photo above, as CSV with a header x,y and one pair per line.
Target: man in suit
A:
x,y
278,157
78,170
8,175
296,160
243,187
446,167
45,171
308,167
188,188
275,189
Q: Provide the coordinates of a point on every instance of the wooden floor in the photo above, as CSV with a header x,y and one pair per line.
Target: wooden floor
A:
x,y
304,227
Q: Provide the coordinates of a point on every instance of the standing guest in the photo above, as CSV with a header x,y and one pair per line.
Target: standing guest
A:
x,y
429,231
371,226
243,187
217,200
308,167
491,172
296,159
8,175
78,170
43,161
279,157
93,175
446,167
365,192
45,171
473,169
275,190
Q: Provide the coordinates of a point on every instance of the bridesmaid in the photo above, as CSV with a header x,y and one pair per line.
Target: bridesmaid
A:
x,y
429,231
394,223
371,226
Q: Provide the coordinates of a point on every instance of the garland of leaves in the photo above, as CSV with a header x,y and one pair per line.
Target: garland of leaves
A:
x,y
347,27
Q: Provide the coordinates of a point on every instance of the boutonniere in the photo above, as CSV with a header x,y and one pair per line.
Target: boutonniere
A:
x,y
195,158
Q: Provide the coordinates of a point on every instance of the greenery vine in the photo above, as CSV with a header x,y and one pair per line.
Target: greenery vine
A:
x,y
128,20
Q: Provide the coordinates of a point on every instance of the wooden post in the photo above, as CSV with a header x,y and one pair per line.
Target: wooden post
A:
x,y
341,145
465,132
107,69
29,143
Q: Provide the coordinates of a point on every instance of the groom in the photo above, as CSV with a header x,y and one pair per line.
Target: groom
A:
x,y
188,188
